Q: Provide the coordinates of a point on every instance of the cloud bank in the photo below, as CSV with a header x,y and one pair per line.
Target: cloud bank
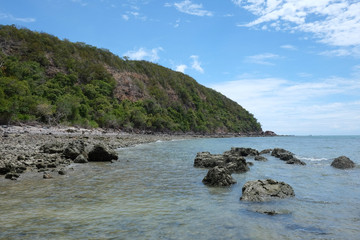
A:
x,y
191,8
151,55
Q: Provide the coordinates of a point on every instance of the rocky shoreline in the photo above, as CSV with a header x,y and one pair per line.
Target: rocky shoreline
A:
x,y
50,150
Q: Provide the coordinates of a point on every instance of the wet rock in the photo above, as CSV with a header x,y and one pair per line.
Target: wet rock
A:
x,y
260,158
74,149
342,162
218,177
295,161
47,175
100,153
265,151
6,168
62,171
80,159
282,154
52,148
40,165
208,160
244,152
236,164
12,176
265,190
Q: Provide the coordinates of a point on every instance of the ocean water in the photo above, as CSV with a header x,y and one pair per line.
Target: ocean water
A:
x,y
154,192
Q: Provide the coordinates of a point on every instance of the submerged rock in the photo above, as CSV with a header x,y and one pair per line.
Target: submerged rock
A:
x,y
218,177
342,162
295,161
100,153
265,190
283,154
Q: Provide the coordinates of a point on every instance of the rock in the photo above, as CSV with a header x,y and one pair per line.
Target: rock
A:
x,y
5,169
100,153
80,159
47,175
52,148
74,149
295,161
62,171
244,152
208,160
237,165
282,154
342,162
260,158
265,190
40,165
265,151
218,177
12,176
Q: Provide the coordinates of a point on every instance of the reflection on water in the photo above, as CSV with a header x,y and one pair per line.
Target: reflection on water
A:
x,y
153,192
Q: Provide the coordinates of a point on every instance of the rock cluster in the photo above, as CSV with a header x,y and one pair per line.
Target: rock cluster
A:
x,y
265,190
286,156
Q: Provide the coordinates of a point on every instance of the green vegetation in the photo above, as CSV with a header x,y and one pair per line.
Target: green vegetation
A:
x,y
52,81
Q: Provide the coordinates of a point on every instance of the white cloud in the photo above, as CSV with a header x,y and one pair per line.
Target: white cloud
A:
x,y
17,19
328,106
188,7
196,64
181,68
333,22
144,54
263,59
81,2
343,52
125,17
288,47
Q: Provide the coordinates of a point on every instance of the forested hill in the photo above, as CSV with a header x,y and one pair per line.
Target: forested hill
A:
x,y
45,79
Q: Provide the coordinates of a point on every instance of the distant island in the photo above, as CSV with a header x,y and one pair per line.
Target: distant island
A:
x,y
50,81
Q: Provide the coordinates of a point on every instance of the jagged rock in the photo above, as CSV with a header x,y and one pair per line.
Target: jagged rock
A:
x,y
80,159
100,153
47,175
295,161
74,149
282,154
62,171
260,158
6,168
244,152
12,176
236,164
52,148
265,151
342,162
218,177
265,190
208,160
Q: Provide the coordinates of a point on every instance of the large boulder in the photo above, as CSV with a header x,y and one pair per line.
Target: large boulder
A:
x,y
218,177
74,149
266,190
342,162
236,164
244,152
100,153
295,161
208,160
282,154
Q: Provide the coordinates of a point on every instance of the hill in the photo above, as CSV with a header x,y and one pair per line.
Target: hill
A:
x,y
45,79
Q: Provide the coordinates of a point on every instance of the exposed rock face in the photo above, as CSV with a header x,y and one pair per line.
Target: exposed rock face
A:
x,y
208,160
218,177
266,151
342,162
260,158
266,190
74,149
282,154
295,161
100,153
244,152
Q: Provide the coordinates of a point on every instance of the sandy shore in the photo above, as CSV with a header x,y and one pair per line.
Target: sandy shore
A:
x,y
23,148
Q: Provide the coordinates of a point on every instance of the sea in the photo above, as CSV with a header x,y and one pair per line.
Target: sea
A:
x,y
154,192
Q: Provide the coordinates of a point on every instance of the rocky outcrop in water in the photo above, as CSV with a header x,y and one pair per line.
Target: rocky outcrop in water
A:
x,y
342,162
266,190
218,177
286,156
100,153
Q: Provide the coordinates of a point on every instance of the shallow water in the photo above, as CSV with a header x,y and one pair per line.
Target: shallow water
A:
x,y
154,192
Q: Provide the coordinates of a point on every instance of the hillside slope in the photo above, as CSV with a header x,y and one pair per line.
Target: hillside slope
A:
x,y
56,81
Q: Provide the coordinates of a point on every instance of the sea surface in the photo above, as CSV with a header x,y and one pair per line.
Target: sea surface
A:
x,y
154,192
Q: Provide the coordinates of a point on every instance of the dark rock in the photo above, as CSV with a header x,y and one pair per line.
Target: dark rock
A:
x,y
208,160
62,171
74,149
47,175
80,159
52,148
100,153
295,161
5,169
40,165
342,162
282,154
260,158
12,176
235,163
218,177
265,190
265,151
269,133
244,152
51,165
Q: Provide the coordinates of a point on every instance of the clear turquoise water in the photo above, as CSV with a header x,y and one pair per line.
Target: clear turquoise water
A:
x,y
154,192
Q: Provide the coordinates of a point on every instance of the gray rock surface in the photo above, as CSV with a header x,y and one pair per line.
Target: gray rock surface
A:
x,y
266,190
100,153
343,162
218,177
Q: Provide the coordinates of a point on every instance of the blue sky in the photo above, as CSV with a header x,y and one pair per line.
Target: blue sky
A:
x,y
294,64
